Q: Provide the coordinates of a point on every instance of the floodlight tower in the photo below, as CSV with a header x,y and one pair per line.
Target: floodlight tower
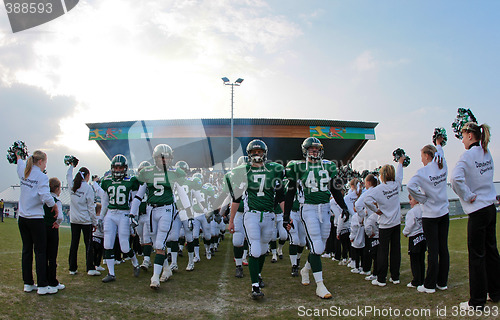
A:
x,y
237,83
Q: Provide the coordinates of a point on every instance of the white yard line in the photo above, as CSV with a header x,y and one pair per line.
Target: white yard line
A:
x,y
222,304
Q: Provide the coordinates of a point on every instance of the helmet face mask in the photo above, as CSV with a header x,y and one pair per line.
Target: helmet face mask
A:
x,y
163,156
312,149
119,167
257,151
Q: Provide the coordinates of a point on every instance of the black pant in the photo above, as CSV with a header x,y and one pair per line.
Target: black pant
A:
x,y
366,260
484,261
76,229
330,242
346,244
390,237
33,235
1,213
97,249
374,242
52,248
438,257
417,259
357,254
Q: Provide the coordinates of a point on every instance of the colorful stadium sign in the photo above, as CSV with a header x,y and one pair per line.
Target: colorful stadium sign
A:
x,y
342,133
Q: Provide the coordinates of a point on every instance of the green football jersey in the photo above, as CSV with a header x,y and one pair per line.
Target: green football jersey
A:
x,y
314,179
189,186
160,183
119,191
260,184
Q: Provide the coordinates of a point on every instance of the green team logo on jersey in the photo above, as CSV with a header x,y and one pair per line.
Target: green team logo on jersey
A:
x,y
160,183
313,178
259,183
119,191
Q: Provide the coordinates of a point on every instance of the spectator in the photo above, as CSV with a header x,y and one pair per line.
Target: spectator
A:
x,y
52,230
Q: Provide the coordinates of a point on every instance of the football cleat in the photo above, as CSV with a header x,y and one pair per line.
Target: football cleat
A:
x,y
274,259
239,272
245,262
190,267
155,282
167,273
322,291
174,267
109,278
280,256
196,259
209,255
295,271
305,276
261,282
137,271
257,293
145,265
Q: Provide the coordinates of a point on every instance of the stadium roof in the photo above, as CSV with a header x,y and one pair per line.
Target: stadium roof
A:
x,y
206,142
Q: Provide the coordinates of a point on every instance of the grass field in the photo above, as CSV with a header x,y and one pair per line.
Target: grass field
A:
x,y
212,292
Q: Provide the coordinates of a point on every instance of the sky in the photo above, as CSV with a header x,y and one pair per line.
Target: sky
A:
x,y
408,65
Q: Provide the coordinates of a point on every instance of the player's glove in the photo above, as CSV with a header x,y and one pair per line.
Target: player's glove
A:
x,y
190,224
286,222
133,221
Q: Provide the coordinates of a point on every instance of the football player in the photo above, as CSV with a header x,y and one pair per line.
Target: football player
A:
x,y
118,192
297,237
201,215
316,177
143,226
263,186
161,181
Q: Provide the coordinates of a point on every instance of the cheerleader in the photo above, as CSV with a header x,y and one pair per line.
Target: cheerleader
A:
x,y
364,213
82,218
428,186
472,181
384,200
416,242
35,193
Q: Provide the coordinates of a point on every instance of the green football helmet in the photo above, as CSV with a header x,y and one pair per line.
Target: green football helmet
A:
x,y
312,142
210,190
119,167
197,184
256,145
143,165
242,160
198,175
163,155
183,165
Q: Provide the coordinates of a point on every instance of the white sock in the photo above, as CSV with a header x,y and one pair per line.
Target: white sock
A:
x,y
157,269
191,257
239,262
318,276
111,266
280,249
165,263
299,255
245,253
197,251
169,250
135,263
273,251
174,257
293,259
181,247
207,248
147,258
307,266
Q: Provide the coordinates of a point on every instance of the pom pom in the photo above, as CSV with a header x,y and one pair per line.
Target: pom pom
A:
x,y
439,132
463,116
398,153
71,160
18,147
